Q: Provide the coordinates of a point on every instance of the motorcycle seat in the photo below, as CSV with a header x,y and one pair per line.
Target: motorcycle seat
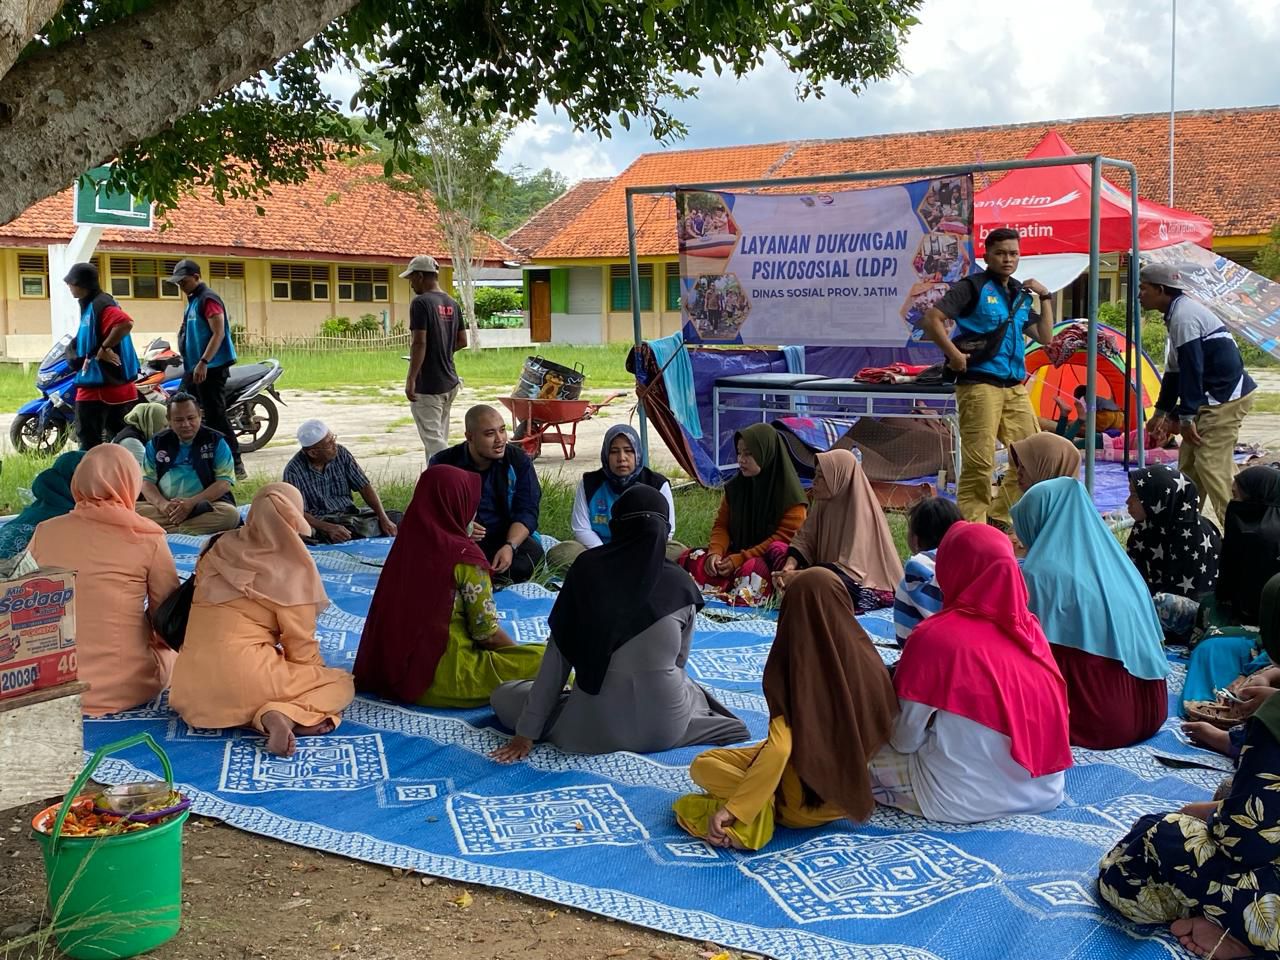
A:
x,y
244,374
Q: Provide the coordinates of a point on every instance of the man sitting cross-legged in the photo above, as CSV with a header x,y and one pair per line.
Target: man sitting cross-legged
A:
x,y
510,494
326,473
188,473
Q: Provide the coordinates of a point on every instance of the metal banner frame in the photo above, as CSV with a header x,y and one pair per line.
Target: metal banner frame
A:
x,y
1095,161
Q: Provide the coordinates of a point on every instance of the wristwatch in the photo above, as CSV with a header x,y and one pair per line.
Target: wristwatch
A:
x,y
511,545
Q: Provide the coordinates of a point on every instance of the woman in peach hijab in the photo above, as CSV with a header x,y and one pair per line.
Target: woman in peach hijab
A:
x,y
250,657
121,561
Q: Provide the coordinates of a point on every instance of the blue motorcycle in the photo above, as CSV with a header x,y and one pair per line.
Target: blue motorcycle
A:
x,y
44,425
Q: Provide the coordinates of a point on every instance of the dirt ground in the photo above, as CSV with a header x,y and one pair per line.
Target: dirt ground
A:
x,y
247,897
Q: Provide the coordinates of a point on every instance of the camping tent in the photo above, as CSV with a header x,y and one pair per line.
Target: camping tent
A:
x,y
1046,382
1049,207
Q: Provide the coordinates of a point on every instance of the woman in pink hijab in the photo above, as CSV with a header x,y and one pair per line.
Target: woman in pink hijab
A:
x,y
122,561
250,657
982,731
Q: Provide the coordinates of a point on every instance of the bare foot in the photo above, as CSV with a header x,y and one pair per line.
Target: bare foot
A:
x,y
1205,938
1207,735
316,729
280,738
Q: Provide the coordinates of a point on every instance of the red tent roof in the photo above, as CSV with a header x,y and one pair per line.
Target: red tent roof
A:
x,y
1049,206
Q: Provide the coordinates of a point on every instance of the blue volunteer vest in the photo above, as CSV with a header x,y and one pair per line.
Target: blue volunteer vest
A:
x,y
204,452
600,509
196,332
89,338
1009,361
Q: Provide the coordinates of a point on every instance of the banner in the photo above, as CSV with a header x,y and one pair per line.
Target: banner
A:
x,y
1248,303
853,268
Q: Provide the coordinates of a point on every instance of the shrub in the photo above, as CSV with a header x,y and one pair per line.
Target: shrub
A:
x,y
491,300
368,323
336,327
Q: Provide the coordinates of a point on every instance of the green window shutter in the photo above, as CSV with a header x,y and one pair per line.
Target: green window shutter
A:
x,y
673,288
620,294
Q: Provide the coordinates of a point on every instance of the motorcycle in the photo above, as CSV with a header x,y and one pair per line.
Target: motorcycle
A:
x,y
44,425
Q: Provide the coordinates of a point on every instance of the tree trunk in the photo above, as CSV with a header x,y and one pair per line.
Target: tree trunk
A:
x,y
81,103
20,20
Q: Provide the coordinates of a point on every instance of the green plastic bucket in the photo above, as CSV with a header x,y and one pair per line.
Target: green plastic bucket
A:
x,y
115,896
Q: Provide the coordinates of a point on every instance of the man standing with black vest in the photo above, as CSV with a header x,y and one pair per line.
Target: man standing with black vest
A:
x,y
207,352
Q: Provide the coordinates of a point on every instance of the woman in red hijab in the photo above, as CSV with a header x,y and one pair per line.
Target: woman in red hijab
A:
x,y
982,731
432,636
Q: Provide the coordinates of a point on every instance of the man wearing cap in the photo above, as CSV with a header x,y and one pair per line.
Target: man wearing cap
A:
x,y
326,473
103,357
207,352
1205,386
435,323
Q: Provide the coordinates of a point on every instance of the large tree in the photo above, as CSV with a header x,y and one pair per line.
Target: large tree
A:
x,y
227,93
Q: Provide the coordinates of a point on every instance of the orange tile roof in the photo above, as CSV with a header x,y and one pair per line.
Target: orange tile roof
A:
x,y
543,226
343,212
1225,167
601,229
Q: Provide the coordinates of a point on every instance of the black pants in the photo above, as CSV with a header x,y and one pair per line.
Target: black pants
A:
x,y
522,564
98,422
212,395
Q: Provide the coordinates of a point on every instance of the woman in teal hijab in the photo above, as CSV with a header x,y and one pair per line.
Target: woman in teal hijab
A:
x,y
1212,870
1098,615
52,491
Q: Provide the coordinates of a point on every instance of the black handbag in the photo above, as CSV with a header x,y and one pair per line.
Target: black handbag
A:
x,y
170,619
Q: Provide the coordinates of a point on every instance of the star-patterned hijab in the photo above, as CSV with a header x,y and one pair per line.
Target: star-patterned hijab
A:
x,y
1174,548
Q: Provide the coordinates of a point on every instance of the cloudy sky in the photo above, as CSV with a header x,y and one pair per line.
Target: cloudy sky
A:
x,y
1031,60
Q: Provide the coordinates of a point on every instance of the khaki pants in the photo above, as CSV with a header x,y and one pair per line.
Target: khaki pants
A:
x,y
223,516
1212,464
431,415
987,414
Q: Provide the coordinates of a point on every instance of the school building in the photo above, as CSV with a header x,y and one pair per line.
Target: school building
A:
x,y
579,290
332,246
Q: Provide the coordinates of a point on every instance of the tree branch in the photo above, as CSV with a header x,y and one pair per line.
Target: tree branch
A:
x,y
20,20
81,103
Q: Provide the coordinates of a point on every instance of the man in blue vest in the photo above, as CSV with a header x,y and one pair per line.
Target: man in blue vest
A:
x,y
187,474
993,314
510,495
1205,388
207,352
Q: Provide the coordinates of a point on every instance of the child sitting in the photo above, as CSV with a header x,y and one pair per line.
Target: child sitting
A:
x,y
918,596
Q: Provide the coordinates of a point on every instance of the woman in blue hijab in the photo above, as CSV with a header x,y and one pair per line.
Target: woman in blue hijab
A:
x,y
621,467
1098,615
52,491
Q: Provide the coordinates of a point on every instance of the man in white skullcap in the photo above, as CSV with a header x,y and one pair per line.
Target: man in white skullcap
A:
x,y
326,474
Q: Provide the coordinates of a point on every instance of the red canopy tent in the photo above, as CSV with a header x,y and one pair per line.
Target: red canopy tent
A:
x,y
1049,207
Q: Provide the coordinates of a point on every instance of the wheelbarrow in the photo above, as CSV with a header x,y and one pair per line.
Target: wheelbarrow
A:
x,y
534,421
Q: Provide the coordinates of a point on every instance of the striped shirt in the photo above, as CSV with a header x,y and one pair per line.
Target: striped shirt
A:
x,y
917,596
327,491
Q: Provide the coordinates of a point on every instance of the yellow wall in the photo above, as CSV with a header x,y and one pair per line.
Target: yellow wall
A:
x,y
24,323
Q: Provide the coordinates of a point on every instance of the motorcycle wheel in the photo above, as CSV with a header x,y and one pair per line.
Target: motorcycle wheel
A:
x,y
255,424
27,437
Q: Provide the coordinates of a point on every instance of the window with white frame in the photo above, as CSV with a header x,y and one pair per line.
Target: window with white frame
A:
x,y
364,284
142,278
299,281
33,276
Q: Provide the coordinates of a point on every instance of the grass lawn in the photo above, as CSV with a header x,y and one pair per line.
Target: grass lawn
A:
x,y
605,366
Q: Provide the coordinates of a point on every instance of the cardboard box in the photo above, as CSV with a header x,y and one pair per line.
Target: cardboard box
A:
x,y
37,631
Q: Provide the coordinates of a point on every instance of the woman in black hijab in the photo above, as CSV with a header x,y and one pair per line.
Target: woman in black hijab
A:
x,y
623,624
1250,544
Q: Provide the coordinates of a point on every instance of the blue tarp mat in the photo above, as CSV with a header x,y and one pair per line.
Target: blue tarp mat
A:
x,y
413,788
